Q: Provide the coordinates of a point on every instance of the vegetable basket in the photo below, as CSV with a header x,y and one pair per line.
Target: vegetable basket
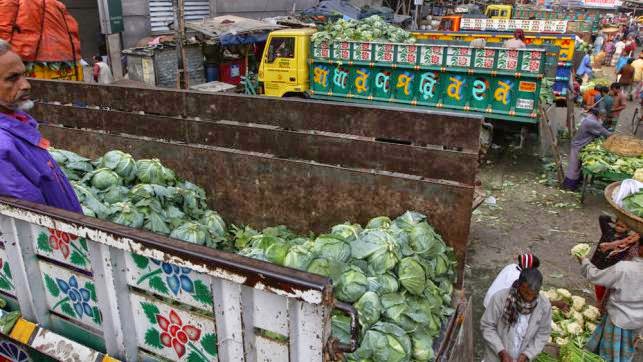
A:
x,y
633,221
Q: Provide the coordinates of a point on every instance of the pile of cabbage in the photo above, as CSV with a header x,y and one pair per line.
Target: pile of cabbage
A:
x,y
575,326
373,28
597,159
398,274
142,194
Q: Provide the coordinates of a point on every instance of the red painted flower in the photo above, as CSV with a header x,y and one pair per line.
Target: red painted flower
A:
x,y
59,240
175,334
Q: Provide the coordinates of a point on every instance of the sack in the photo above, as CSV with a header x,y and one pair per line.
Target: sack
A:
x,y
624,145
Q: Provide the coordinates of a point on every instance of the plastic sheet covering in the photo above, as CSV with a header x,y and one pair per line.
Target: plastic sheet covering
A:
x,y
40,30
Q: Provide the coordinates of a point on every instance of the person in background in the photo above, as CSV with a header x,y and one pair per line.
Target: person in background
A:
x,y
102,73
620,102
590,129
626,78
591,95
516,324
585,68
615,338
630,47
609,51
638,72
510,274
619,46
517,42
27,170
617,243
605,105
598,43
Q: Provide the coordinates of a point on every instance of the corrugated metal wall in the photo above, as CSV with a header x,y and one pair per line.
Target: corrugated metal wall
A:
x,y
162,13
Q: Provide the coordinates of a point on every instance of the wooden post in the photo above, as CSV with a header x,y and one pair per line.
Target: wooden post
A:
x,y
554,144
182,80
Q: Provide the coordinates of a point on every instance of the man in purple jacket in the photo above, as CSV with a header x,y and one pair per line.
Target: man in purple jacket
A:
x,y
27,171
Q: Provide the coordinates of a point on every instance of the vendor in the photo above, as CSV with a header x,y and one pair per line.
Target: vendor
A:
x,y
617,243
585,68
516,324
590,129
616,337
28,172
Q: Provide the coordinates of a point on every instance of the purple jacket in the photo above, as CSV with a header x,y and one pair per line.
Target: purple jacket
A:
x,y
27,170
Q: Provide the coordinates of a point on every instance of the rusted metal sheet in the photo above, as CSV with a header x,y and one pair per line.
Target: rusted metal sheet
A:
x,y
262,190
419,127
333,149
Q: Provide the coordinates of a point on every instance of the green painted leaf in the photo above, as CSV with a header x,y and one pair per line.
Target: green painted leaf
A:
x,y
92,290
194,357
209,343
67,309
202,293
150,311
4,285
51,285
43,243
97,316
83,243
140,261
7,271
158,284
153,338
77,259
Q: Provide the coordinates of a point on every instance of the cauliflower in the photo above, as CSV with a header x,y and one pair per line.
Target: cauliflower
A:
x,y
555,329
564,293
561,341
591,313
581,250
590,327
552,295
578,303
574,328
550,340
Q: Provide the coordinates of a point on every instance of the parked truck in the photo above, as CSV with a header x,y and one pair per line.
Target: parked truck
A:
x,y
265,162
500,83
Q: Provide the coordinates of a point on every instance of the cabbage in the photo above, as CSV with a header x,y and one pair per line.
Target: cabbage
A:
x,y
412,275
422,343
115,194
341,327
125,213
156,223
153,172
319,266
378,248
333,248
383,284
369,309
191,232
120,162
276,253
215,224
352,284
299,257
103,178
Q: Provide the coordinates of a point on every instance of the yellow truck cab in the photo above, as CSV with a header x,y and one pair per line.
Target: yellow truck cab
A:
x,y
498,11
284,64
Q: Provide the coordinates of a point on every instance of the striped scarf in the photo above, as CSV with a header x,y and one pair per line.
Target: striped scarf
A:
x,y
515,305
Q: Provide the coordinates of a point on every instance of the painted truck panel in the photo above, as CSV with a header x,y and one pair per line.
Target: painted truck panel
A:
x,y
501,82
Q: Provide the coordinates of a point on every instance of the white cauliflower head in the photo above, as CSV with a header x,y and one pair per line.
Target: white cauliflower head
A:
x,y
555,328
564,293
591,313
574,328
552,295
578,303
561,341
581,250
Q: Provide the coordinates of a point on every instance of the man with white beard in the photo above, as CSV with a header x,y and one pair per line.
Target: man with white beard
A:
x,y
27,170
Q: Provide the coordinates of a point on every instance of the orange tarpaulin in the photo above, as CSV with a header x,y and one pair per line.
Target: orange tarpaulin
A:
x,y
40,30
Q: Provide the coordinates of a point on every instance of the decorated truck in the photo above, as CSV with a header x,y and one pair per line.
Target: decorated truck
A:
x,y
499,83
93,290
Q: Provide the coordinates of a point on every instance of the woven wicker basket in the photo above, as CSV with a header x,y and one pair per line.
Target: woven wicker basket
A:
x,y
624,145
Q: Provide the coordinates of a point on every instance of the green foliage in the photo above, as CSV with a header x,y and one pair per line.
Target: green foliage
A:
x,y
52,286
92,290
158,284
43,243
67,309
77,259
151,311
209,343
140,261
153,338
202,293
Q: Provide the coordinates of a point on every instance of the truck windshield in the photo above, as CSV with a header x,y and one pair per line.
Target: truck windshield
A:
x,y
281,47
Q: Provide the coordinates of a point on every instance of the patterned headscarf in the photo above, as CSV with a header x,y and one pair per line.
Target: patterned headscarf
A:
x,y
515,305
525,261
